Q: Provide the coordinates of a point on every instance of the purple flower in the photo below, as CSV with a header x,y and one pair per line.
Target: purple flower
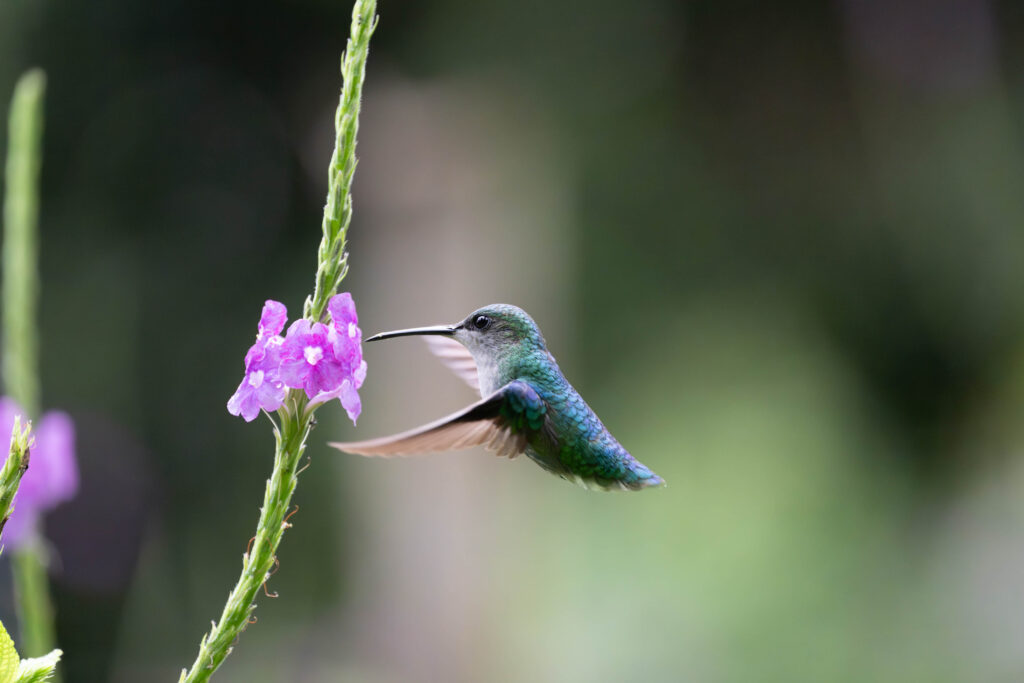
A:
x,y
272,319
346,341
343,313
271,323
348,338
308,360
324,361
52,476
347,393
262,386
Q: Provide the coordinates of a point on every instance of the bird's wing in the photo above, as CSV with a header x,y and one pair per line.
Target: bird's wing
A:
x,y
503,422
457,357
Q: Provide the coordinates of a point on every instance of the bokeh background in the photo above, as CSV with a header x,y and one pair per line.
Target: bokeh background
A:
x,y
778,247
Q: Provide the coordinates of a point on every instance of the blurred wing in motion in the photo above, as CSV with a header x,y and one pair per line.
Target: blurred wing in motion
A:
x,y
502,422
457,357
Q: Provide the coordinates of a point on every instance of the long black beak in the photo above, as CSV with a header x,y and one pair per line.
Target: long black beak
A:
x,y
445,330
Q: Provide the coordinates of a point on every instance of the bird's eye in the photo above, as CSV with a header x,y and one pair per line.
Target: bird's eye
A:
x,y
481,322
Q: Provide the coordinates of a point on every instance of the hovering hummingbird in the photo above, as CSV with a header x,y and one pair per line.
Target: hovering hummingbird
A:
x,y
527,405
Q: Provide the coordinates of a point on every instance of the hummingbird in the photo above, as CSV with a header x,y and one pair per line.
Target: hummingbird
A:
x,y
526,405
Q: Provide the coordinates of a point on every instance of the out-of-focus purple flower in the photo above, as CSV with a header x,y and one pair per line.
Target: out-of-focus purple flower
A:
x,y
307,359
52,475
262,386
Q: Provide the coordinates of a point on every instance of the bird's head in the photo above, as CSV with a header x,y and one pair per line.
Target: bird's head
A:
x,y
490,332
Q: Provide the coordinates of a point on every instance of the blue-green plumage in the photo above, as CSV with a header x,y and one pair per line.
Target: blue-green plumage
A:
x,y
527,407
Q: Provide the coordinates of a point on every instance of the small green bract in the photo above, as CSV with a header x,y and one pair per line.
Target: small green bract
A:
x,y
16,670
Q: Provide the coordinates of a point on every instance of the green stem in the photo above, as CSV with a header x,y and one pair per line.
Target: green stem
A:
x,y
296,418
20,252
32,603
21,340
258,562
332,261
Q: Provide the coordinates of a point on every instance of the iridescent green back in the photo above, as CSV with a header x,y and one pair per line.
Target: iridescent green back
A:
x,y
574,444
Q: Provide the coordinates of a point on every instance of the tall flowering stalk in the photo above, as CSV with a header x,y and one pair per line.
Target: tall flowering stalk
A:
x,y
20,252
318,359
20,365
332,261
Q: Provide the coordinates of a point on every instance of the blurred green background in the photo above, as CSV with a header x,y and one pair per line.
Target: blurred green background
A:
x,y
778,247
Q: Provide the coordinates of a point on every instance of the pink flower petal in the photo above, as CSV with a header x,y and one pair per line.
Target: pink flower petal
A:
x,y
350,401
343,310
273,318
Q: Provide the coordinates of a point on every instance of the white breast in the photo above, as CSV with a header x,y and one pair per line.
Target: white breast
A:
x,y
487,368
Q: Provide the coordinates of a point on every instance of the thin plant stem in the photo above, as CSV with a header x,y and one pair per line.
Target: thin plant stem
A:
x,y
295,418
332,261
20,336
20,249
290,438
32,602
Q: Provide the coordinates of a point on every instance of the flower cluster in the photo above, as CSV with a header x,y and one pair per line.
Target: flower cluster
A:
x,y
52,475
325,361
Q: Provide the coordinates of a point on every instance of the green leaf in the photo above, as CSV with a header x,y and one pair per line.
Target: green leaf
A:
x,y
38,669
8,657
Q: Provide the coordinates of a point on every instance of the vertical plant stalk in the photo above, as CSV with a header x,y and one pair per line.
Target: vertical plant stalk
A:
x,y
20,338
20,249
332,261
256,563
32,603
295,420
